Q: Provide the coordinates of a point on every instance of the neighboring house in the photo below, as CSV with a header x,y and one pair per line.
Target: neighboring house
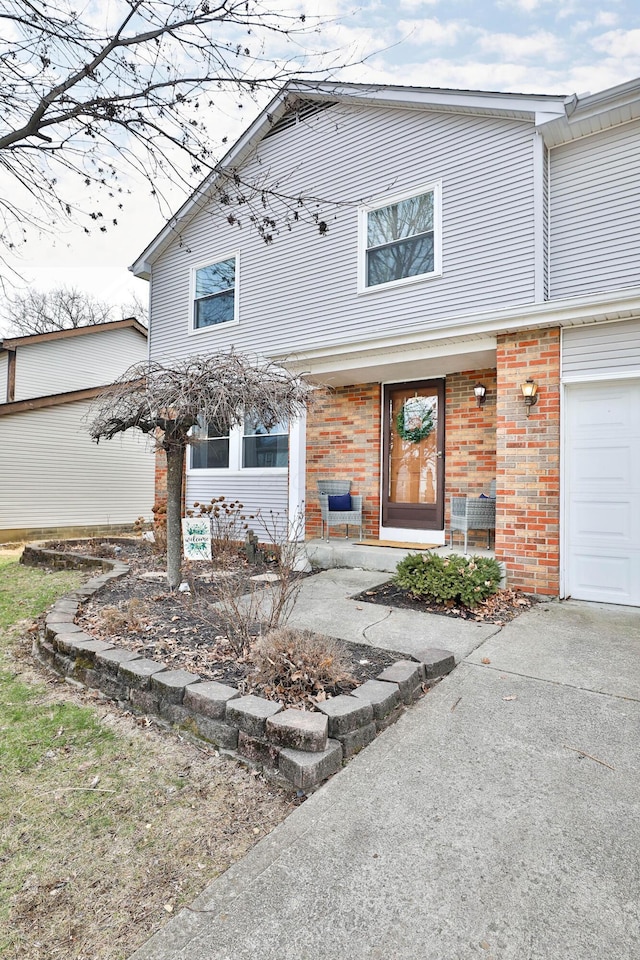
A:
x,y
464,237
54,479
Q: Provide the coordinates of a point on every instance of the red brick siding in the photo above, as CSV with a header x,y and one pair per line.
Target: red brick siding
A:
x,y
343,443
470,442
161,478
528,452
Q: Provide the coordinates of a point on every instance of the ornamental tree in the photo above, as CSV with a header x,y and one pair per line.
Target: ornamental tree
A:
x,y
166,400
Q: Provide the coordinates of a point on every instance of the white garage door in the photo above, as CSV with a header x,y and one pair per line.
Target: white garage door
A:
x,y
602,473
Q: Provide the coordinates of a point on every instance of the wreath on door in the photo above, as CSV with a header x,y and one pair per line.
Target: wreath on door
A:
x,y
414,421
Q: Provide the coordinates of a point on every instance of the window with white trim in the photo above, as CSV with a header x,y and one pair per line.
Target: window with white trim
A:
x,y
400,241
215,294
251,446
265,447
209,448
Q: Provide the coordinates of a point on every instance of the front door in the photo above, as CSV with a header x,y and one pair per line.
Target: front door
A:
x,y
413,455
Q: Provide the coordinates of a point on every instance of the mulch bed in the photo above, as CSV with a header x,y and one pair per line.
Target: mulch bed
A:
x,y
183,630
499,609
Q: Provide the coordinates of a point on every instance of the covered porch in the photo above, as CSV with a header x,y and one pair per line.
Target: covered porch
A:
x,y
352,434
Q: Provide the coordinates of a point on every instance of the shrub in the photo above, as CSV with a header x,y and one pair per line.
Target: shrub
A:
x,y
299,666
451,579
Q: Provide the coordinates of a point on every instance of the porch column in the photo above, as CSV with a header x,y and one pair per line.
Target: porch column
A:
x,y
297,484
528,461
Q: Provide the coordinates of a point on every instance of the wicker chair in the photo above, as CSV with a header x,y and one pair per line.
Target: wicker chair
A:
x,y
335,518
473,513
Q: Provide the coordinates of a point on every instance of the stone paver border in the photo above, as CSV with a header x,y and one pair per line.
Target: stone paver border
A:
x,y
299,752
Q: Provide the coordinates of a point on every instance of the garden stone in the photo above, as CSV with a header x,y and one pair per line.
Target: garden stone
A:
x,y
250,714
110,660
436,663
143,701
210,698
170,684
306,770
354,741
299,729
214,731
138,673
382,696
67,642
345,714
258,751
89,648
408,676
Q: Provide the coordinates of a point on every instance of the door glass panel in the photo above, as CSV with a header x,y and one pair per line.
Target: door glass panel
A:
x,y
413,446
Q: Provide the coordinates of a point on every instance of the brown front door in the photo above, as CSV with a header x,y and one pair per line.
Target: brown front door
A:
x,y
413,455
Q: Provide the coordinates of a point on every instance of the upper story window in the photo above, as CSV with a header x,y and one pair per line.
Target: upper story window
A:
x,y
400,241
262,447
215,294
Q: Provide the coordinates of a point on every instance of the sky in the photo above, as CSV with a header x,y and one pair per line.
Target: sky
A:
x,y
526,46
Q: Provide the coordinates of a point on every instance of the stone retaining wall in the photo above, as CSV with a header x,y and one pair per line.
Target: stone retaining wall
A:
x,y
299,748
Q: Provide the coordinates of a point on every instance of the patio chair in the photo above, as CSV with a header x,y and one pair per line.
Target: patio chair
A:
x,y
338,517
474,513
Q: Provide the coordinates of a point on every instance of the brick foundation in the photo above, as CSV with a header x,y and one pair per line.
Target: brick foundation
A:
x,y
528,458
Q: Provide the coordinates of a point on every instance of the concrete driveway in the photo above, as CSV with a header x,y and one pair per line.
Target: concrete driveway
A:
x,y
498,818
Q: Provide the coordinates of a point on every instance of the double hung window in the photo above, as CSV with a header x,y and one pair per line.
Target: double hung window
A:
x,y
215,294
400,241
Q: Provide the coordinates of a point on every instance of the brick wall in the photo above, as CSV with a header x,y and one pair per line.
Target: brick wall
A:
x,y
528,457
161,477
343,443
470,443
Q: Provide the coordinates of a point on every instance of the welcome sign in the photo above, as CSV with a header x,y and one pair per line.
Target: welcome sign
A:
x,y
196,538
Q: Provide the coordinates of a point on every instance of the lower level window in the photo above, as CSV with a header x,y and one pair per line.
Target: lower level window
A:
x,y
262,447
209,449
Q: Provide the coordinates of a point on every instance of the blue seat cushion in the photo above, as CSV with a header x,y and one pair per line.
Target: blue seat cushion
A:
x,y
340,503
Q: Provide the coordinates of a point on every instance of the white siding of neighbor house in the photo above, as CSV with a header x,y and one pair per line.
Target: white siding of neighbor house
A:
x,y
52,474
76,363
301,290
4,365
595,213
265,493
602,350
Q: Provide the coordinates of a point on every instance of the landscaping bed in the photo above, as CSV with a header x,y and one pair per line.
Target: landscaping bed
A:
x,y
184,629
500,608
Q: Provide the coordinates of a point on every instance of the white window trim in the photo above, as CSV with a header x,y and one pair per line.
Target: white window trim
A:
x,y
434,187
235,468
196,331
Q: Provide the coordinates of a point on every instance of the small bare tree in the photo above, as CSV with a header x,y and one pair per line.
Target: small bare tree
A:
x,y
165,401
63,308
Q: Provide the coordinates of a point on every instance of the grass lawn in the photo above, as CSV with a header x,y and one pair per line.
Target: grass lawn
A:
x,y
107,824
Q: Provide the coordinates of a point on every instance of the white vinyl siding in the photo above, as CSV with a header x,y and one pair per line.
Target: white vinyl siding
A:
x,y
302,290
595,213
76,363
601,349
52,474
267,492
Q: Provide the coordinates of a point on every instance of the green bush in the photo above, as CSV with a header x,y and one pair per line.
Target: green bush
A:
x,y
452,579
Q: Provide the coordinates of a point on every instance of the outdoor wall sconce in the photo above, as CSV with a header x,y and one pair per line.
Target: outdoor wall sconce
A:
x,y
481,393
530,393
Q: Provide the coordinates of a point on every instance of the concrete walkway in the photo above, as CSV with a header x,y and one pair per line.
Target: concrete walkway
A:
x,y
498,818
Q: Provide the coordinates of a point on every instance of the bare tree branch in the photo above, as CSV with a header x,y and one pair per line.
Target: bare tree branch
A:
x,y
130,84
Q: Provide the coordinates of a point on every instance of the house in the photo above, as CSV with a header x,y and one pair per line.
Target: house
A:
x,y
54,480
446,239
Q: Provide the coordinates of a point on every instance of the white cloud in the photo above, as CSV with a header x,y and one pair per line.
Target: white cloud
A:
x,y
431,32
510,46
618,43
606,18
